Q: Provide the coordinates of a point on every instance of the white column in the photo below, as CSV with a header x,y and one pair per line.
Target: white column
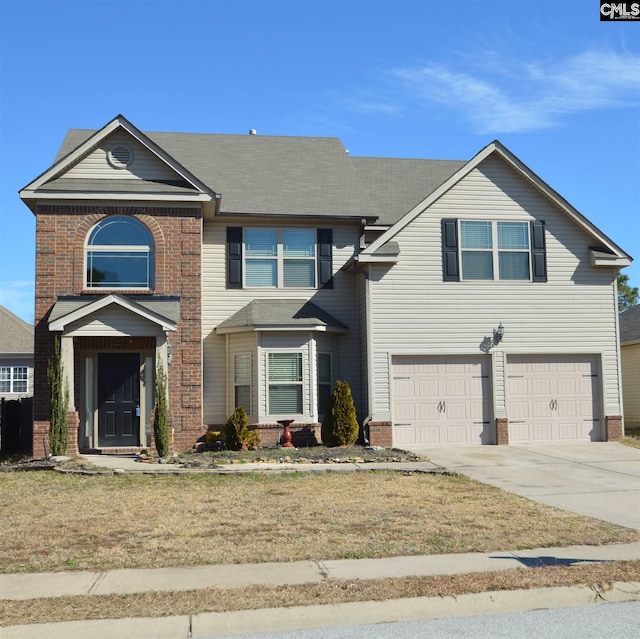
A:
x,y
66,357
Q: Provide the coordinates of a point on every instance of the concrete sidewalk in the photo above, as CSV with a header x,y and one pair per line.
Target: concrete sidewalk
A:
x,y
32,586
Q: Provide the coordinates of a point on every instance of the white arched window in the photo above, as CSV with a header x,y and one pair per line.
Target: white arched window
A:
x,y
119,254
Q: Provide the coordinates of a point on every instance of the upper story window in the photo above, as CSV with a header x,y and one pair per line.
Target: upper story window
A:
x,y
492,250
14,379
119,254
279,258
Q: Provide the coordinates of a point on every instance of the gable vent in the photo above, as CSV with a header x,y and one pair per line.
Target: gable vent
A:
x,y
119,156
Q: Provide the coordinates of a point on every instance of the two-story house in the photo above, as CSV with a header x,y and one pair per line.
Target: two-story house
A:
x,y
462,301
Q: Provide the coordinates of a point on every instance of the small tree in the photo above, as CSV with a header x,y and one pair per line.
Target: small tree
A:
x,y
236,430
59,403
627,295
161,414
340,425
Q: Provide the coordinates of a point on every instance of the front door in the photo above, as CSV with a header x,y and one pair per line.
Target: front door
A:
x,y
118,399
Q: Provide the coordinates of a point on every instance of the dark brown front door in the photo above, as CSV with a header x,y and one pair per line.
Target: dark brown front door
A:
x,y
118,399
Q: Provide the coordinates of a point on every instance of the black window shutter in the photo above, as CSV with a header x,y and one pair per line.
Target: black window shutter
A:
x,y
325,254
450,266
234,257
538,252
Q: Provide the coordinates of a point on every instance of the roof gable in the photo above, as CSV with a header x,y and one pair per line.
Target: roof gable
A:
x,y
617,256
92,163
16,335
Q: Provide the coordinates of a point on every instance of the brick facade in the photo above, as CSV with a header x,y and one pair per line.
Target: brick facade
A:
x,y
380,434
502,431
61,232
614,428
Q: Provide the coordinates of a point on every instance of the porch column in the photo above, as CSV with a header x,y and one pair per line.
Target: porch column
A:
x,y
66,357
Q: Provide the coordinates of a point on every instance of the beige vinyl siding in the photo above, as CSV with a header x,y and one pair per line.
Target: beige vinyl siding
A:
x,y
145,165
630,357
415,312
113,322
219,303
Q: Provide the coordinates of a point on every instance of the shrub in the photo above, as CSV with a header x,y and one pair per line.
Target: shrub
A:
x,y
59,404
237,435
340,425
161,414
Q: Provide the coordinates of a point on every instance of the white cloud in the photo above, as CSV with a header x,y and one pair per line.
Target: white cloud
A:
x,y
500,95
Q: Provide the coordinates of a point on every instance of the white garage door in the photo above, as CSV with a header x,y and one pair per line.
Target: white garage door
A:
x,y
553,398
441,400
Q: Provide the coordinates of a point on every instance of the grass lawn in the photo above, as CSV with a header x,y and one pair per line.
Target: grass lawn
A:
x,y
50,521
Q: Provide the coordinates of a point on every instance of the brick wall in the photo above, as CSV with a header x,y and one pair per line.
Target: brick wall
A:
x,y
61,232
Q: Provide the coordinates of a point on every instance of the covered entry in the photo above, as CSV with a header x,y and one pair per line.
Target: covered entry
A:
x,y
110,346
441,400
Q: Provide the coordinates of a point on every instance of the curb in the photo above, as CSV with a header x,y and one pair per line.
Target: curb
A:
x,y
224,624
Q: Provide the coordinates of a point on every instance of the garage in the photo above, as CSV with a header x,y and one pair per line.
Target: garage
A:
x,y
441,400
553,398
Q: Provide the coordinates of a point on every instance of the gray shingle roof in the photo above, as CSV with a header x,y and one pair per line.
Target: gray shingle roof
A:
x,y
397,185
169,308
16,335
281,313
116,186
630,324
284,175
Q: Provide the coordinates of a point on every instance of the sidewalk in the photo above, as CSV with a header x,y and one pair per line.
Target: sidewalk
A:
x,y
32,586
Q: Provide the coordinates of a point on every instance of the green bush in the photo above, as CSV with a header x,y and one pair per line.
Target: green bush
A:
x,y
161,414
340,425
237,435
59,404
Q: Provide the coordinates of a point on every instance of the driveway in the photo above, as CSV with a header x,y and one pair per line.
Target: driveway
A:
x,y
597,479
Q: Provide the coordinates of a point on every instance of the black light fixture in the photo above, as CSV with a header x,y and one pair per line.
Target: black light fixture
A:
x,y
498,334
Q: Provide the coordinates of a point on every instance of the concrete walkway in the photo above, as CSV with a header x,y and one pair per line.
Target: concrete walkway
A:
x,y
32,586
596,479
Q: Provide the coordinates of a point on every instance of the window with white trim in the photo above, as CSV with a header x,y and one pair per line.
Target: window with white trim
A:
x,y
495,250
280,258
242,381
14,379
285,380
119,254
324,380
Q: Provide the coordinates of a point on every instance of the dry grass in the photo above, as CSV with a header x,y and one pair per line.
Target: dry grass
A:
x,y
161,604
51,522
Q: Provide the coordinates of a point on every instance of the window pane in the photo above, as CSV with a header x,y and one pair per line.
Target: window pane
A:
x,y
285,367
242,368
299,243
243,398
299,273
513,235
324,368
285,399
475,235
116,269
477,265
261,273
260,242
514,266
120,231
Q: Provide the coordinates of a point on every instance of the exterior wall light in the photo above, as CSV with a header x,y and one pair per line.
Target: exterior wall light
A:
x,y
498,334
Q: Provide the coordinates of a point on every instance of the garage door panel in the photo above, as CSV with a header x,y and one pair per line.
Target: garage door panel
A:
x,y
448,395
556,398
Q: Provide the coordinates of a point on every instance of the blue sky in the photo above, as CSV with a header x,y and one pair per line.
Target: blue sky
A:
x,y
416,78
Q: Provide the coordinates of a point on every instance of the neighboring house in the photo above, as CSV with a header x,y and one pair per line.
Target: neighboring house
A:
x,y
258,270
630,362
16,356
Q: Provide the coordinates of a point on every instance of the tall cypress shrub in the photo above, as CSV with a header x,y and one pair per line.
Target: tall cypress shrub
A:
x,y
161,414
58,402
340,425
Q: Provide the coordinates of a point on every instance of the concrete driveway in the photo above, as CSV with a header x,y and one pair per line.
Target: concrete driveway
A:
x,y
597,479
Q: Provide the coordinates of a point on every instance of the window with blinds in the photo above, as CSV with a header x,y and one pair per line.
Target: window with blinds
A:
x,y
283,258
242,381
495,250
285,383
